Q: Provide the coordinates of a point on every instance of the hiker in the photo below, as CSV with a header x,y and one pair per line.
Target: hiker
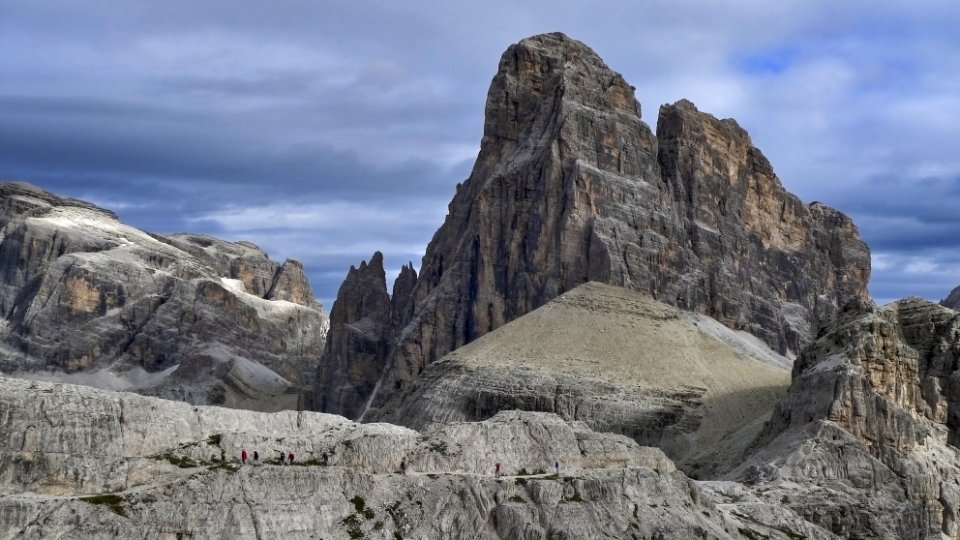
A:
x,y
243,457
403,467
556,466
323,459
497,470
256,457
283,458
290,457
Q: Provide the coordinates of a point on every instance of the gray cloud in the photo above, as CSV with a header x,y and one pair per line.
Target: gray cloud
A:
x,y
212,116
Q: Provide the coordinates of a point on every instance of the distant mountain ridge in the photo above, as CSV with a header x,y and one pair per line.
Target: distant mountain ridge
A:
x,y
84,297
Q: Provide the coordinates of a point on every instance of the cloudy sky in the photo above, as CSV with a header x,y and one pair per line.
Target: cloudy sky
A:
x,y
326,130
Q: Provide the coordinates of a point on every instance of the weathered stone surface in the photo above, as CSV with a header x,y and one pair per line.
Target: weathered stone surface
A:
x,y
379,481
620,362
865,443
572,186
84,297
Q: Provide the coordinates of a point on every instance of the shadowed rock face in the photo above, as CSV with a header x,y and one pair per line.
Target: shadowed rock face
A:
x,y
871,420
184,316
952,300
571,186
357,351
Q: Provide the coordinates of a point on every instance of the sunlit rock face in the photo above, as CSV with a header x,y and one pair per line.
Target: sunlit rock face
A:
x,y
84,297
865,442
119,465
571,186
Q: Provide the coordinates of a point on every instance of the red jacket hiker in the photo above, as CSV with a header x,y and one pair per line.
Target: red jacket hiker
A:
x,y
243,456
290,457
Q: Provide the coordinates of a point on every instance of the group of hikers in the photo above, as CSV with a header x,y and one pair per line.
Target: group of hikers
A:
x,y
256,457
556,468
403,464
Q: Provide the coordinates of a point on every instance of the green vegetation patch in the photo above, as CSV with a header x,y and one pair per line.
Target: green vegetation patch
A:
x,y
111,501
439,447
184,462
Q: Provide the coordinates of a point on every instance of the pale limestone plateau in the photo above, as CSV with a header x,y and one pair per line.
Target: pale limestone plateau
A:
x,y
620,362
571,186
86,298
78,462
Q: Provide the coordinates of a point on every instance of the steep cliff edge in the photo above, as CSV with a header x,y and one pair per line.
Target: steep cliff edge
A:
x,y
84,297
865,443
571,186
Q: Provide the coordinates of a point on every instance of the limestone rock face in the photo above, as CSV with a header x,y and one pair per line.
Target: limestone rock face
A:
x,y
571,186
86,298
355,354
118,465
868,430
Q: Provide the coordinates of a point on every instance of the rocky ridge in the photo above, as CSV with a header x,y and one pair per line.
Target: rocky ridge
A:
x,y
572,186
84,297
120,465
620,362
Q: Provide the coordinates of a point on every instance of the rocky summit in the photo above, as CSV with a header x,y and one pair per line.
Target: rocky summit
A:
x,y
571,186
85,298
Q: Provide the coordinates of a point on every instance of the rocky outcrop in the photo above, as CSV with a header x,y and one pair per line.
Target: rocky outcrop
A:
x,y
355,354
115,465
865,443
620,362
571,186
952,300
84,297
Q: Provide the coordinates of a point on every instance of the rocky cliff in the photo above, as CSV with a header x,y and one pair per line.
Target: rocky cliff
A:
x,y
571,186
865,442
117,465
84,297
357,348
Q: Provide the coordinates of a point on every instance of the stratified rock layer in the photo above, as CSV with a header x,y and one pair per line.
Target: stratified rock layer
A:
x,y
184,316
865,443
571,186
113,465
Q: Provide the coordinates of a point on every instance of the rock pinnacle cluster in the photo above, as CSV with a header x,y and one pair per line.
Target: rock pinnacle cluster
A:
x,y
571,186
